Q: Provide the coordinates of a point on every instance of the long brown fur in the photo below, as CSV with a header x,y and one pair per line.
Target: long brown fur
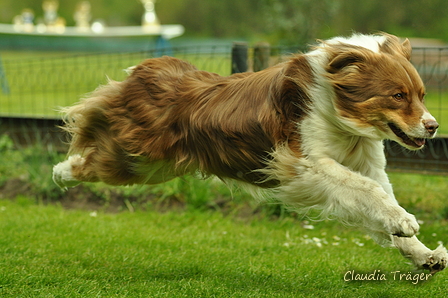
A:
x,y
169,112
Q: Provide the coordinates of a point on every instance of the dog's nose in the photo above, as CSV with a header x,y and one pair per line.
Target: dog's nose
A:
x,y
431,125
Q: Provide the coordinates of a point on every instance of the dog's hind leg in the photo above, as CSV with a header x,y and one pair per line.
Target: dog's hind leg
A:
x,y
73,171
63,171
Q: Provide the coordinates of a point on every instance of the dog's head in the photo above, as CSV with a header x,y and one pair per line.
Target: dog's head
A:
x,y
379,91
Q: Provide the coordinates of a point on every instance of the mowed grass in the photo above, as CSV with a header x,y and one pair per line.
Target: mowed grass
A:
x,y
48,251
51,252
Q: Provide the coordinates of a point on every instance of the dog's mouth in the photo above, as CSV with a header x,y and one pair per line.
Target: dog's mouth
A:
x,y
410,141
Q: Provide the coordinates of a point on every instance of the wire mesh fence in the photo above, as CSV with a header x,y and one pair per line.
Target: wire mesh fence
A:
x,y
432,65
433,159
32,90
37,87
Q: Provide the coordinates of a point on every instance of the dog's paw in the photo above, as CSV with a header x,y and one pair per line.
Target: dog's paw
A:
x,y
403,226
435,261
62,172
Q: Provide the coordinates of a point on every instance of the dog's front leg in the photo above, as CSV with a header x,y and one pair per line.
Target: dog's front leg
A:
x,y
348,195
422,257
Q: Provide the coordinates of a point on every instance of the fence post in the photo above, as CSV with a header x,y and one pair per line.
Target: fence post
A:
x,y
262,52
239,57
3,80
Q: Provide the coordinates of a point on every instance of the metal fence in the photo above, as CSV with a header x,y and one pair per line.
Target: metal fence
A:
x,y
37,87
432,65
32,89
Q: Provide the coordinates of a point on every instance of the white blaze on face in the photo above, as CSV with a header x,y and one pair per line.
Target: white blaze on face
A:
x,y
427,117
429,124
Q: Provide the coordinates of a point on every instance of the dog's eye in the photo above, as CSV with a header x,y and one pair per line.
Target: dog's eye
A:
x,y
399,96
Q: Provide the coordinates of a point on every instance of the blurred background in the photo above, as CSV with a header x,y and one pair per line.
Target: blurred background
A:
x,y
275,21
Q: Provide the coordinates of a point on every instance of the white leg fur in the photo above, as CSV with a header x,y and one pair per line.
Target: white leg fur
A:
x,y
350,196
62,172
361,201
422,257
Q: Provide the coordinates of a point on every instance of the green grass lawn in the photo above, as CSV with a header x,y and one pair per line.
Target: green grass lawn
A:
x,y
51,252
237,250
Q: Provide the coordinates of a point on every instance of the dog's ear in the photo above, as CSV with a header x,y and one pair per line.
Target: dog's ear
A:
x,y
393,46
345,59
407,49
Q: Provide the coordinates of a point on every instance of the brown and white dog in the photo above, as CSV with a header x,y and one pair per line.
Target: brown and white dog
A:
x,y
308,130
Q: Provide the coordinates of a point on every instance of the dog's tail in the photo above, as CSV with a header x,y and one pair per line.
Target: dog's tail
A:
x,y
86,120
92,139
117,108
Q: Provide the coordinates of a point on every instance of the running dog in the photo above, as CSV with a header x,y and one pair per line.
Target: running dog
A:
x,y
308,131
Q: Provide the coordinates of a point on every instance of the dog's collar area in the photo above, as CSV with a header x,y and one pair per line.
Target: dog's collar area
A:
x,y
413,142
